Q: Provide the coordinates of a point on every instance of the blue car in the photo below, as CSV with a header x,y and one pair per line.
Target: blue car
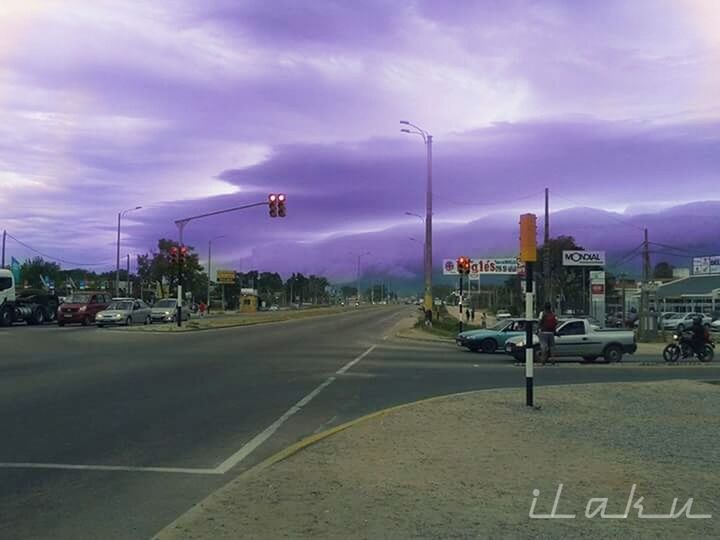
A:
x,y
492,339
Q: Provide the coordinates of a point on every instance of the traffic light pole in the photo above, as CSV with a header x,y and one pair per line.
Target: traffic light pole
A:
x,y
460,324
181,223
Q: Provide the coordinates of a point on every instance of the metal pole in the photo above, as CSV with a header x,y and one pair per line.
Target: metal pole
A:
x,y
3,249
428,229
529,349
128,275
546,249
209,271
117,259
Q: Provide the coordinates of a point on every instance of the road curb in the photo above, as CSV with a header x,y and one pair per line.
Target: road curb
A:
x,y
168,530
186,330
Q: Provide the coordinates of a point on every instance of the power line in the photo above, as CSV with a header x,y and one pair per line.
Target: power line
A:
x,y
51,257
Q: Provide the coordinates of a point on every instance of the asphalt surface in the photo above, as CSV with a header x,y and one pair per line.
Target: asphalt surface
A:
x,y
180,415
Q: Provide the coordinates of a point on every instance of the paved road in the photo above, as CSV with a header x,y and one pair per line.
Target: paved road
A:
x,y
108,434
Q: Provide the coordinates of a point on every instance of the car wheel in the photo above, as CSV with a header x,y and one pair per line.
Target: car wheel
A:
x,y
148,320
5,317
38,316
613,353
488,346
86,320
101,326
128,321
680,328
589,359
60,323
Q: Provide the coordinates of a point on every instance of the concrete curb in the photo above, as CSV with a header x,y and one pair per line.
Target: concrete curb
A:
x,y
299,446
185,329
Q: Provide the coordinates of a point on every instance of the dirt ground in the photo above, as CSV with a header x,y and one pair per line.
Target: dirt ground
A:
x,y
467,467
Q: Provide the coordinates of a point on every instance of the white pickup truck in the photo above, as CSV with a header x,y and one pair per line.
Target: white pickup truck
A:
x,y
576,337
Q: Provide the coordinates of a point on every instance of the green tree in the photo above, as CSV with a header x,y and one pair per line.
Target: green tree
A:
x,y
32,269
156,267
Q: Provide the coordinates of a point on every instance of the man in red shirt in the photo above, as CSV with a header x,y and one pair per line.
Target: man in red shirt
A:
x,y
547,326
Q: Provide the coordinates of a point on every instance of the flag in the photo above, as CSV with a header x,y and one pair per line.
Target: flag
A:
x,y
15,269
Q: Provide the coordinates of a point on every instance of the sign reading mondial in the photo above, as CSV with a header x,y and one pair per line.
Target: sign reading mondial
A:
x,y
583,258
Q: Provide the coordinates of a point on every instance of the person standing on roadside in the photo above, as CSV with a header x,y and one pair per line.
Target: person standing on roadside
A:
x,y
547,326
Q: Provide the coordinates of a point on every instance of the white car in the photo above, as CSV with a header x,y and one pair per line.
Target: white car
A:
x,y
683,321
502,314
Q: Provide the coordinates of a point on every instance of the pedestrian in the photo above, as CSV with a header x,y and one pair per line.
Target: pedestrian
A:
x,y
472,314
467,315
483,321
547,326
202,309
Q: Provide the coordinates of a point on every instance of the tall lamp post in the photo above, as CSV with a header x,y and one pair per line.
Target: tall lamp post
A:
x,y
210,267
357,277
117,262
427,139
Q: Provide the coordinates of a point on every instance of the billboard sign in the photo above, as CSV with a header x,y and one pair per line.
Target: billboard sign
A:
x,y
706,265
583,258
484,266
226,276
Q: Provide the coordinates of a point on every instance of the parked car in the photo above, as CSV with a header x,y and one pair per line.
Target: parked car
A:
x,y
276,308
488,340
682,321
575,337
165,310
82,307
502,314
715,326
124,312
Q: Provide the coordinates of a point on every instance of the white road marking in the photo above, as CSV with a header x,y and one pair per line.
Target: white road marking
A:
x,y
260,438
355,361
182,470
226,465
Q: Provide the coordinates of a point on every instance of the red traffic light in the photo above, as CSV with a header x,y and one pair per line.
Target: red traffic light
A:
x,y
281,204
273,205
463,265
173,254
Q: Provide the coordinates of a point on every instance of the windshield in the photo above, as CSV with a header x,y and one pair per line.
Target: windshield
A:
x,y
78,299
120,306
500,326
165,304
677,316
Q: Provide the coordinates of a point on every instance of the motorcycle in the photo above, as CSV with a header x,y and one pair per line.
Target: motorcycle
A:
x,y
682,348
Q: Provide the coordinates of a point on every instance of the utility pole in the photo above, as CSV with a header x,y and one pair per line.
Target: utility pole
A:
x,y
546,250
209,272
127,292
644,326
3,249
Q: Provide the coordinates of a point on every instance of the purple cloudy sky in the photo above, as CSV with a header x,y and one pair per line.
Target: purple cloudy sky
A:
x,y
187,106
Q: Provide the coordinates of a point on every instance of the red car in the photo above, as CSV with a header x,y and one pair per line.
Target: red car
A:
x,y
82,307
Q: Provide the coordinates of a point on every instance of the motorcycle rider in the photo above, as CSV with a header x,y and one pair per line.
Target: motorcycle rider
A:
x,y
699,336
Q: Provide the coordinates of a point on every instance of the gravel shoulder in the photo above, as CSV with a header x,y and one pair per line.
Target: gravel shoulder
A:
x,y
465,466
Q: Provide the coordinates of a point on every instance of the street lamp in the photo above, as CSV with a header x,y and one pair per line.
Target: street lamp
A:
x,y
209,272
357,277
427,139
117,262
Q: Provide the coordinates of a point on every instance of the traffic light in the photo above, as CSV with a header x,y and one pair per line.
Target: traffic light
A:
x,y
281,204
173,255
463,265
273,204
528,238
182,254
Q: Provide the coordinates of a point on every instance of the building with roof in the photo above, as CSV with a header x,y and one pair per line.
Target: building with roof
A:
x,y
690,294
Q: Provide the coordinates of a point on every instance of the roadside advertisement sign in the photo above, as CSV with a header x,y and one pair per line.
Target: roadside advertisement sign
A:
x,y
450,267
226,276
583,258
597,295
503,266
706,265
